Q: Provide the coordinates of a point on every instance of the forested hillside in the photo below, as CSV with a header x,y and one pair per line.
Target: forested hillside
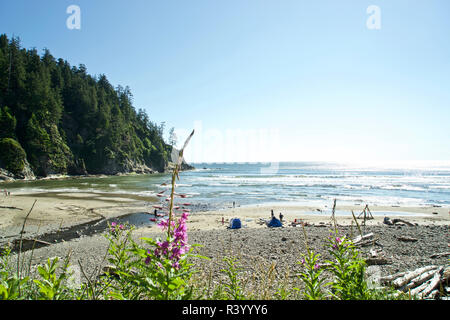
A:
x,y
58,119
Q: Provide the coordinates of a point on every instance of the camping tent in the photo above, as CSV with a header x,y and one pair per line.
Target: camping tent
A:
x,y
235,223
274,222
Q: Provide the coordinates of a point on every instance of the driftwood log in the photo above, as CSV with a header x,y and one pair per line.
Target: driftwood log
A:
x,y
400,282
403,221
430,286
424,283
378,261
390,222
365,240
438,255
407,239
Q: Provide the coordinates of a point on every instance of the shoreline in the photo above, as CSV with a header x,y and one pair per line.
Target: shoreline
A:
x,y
67,177
4,180
80,207
58,211
252,216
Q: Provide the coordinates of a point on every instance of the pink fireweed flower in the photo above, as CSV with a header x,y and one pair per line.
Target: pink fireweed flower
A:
x,y
113,227
177,246
316,266
147,260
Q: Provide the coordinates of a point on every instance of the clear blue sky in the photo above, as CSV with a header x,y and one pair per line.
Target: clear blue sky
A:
x,y
289,80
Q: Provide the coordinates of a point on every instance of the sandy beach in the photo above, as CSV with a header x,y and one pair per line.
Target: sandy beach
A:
x,y
53,211
61,210
252,216
258,247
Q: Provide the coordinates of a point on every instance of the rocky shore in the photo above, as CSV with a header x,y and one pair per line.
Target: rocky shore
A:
x,y
259,250
269,257
28,174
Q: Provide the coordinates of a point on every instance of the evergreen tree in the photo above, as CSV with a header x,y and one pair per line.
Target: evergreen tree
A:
x,y
66,120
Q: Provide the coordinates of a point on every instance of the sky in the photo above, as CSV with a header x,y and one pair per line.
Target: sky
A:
x,y
266,80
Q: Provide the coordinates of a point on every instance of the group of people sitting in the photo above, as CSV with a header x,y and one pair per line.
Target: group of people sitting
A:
x,y
274,222
273,216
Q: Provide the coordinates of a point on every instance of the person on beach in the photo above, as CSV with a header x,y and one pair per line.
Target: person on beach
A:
x,y
281,217
271,214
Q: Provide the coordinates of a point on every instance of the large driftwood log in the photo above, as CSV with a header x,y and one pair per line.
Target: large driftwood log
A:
x,y
446,274
433,294
400,282
389,279
417,281
431,285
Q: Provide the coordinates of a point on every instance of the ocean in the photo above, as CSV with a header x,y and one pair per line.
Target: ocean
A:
x,y
218,185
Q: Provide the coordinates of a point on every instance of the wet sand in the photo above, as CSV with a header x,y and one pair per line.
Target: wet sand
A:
x,y
53,211
56,210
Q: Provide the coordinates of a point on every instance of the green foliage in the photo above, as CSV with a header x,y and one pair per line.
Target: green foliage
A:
x,y
51,285
233,288
311,277
10,284
12,155
69,121
349,270
7,123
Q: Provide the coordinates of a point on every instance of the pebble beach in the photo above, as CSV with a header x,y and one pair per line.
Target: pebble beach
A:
x,y
259,249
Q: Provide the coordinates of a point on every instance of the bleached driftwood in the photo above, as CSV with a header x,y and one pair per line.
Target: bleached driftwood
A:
x,y
363,237
446,274
433,294
392,277
438,255
425,289
400,282
364,240
417,281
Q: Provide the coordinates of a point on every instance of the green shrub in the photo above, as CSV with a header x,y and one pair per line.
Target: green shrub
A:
x,y
12,155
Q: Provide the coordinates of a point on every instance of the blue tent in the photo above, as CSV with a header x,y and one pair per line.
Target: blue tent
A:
x,y
235,223
274,223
